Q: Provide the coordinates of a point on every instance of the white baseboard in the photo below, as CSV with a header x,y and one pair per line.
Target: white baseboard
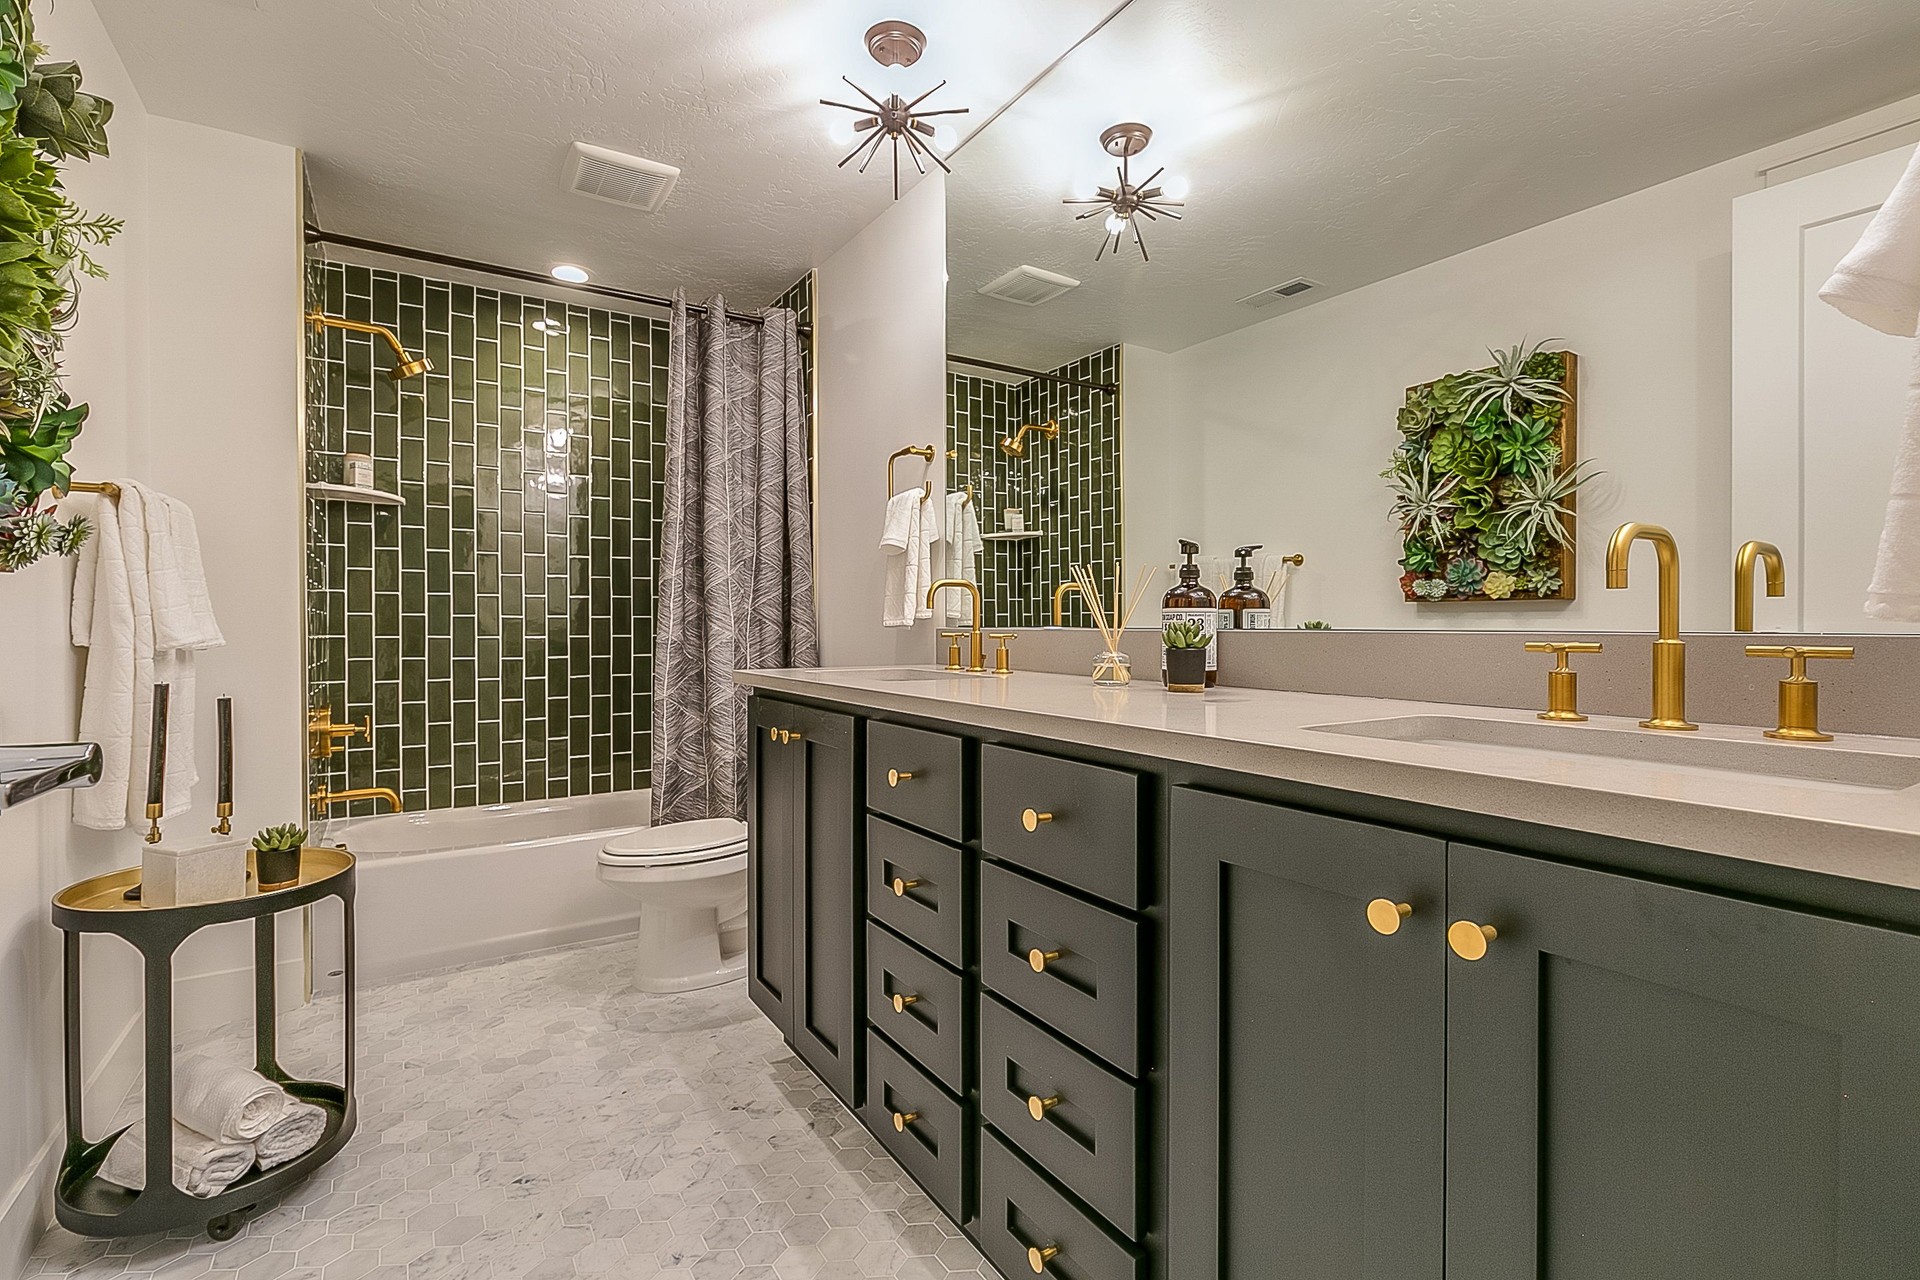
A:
x,y
26,1208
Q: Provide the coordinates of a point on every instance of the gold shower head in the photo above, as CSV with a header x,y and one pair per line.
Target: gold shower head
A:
x,y
405,367
1015,445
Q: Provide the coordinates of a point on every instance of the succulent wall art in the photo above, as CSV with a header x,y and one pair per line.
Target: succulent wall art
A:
x,y
1484,481
46,119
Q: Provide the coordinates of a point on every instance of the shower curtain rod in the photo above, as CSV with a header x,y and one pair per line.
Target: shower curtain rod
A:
x,y
316,235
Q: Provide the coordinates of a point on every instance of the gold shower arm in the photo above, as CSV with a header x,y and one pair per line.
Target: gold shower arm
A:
x,y
406,367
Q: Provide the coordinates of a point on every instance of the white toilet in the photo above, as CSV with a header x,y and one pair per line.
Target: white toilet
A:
x,y
691,882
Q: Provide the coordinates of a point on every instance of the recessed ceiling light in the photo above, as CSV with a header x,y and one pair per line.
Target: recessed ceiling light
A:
x,y
570,274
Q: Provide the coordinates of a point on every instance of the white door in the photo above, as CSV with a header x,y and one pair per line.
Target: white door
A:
x,y
1818,399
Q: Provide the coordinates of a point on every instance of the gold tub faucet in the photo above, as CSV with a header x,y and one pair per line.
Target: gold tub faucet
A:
x,y
1743,571
323,799
1669,650
961,584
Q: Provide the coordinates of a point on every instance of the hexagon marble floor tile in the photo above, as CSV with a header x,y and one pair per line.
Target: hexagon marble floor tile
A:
x,y
538,1119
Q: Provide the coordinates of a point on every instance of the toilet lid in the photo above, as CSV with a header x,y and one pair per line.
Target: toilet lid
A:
x,y
677,843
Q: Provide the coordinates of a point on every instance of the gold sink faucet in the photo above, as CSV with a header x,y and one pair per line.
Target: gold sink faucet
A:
x,y
1743,571
1060,601
1669,650
961,584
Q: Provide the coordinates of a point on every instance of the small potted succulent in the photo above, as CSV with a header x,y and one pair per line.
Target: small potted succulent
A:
x,y
1186,640
276,855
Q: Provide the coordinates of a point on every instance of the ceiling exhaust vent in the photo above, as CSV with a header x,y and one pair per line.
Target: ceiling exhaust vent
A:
x,y
618,178
1029,286
1279,293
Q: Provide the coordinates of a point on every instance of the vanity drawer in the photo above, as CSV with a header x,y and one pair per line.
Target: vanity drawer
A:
x,y
1086,824
1087,981
1020,1214
1087,1133
929,1020
932,1145
929,875
934,797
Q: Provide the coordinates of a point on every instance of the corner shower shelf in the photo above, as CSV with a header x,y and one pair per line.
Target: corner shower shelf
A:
x,y
1028,535
348,493
88,1204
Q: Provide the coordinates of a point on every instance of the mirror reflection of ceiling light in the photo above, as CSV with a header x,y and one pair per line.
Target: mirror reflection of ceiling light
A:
x,y
896,44
1127,203
568,273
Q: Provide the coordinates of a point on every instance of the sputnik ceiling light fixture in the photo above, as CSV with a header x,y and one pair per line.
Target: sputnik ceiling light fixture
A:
x,y
1127,203
894,44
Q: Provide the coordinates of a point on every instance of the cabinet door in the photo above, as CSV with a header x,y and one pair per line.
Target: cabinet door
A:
x,y
771,860
1306,1070
1646,1080
828,937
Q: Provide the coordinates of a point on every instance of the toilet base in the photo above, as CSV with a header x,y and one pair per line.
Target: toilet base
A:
x,y
685,949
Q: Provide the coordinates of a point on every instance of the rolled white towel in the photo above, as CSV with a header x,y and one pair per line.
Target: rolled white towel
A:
x,y
296,1132
224,1100
202,1166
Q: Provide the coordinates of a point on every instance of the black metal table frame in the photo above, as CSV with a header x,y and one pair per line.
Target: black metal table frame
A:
x,y
90,1205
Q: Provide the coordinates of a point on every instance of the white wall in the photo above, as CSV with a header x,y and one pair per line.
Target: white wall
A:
x,y
881,379
1293,419
188,354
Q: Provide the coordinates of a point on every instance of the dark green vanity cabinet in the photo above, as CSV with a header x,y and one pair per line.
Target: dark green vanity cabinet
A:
x,y
805,939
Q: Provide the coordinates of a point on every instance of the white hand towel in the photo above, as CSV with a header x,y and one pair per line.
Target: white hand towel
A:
x,y
297,1131
900,540
1878,284
202,1166
962,548
923,556
182,610
225,1100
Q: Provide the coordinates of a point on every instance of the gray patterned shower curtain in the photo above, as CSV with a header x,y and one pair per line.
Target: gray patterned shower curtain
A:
x,y
736,551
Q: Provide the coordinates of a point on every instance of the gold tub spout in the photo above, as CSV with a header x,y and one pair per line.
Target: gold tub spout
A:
x,y
323,799
961,584
1669,650
1743,567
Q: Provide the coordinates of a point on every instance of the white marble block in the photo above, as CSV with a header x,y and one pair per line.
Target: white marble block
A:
x,y
179,875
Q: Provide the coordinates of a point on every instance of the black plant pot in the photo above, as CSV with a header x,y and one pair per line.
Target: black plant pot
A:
x,y
275,867
1187,670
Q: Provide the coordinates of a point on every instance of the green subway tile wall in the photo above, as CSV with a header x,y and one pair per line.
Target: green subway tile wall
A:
x,y
498,627
1068,488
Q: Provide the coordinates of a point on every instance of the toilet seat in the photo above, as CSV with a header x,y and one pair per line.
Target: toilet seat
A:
x,y
677,844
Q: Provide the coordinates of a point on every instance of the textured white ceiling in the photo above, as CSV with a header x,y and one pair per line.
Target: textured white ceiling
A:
x,y
443,124
1350,140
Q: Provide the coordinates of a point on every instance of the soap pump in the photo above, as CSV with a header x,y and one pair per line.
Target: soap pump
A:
x,y
1190,601
1247,604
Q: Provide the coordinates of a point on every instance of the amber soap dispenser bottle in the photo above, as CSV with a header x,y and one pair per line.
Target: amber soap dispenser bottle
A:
x,y
1188,600
1248,605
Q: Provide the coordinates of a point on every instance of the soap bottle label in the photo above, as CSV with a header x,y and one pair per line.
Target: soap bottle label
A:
x,y
1256,620
1209,620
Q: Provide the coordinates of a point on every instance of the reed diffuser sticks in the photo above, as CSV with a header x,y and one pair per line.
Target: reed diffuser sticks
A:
x,y
1110,667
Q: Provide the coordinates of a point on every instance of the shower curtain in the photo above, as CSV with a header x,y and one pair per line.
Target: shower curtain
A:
x,y
736,553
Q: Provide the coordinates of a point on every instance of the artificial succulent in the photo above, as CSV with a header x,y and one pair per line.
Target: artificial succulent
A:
x,y
1499,585
1185,633
280,839
56,114
1517,379
1465,575
1430,588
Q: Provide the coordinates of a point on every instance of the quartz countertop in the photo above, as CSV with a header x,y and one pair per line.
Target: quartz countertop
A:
x,y
1858,832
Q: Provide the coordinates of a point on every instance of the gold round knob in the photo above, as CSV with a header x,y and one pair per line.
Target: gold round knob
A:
x,y
895,777
1385,915
1037,1106
1469,940
900,886
901,1119
900,1002
1038,960
1038,1258
1032,820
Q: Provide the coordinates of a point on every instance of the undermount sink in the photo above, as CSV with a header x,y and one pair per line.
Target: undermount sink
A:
x,y
1819,765
899,675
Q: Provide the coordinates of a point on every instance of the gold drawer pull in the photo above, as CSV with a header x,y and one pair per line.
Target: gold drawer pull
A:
x,y
1469,940
895,777
901,886
1038,960
1038,1258
790,736
773,734
1031,820
901,1119
1385,915
901,1002
1037,1106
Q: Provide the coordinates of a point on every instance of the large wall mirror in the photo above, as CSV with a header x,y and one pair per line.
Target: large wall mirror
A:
x,y
1435,301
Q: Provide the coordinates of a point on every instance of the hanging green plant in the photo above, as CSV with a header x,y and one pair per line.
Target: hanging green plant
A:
x,y
1481,488
46,244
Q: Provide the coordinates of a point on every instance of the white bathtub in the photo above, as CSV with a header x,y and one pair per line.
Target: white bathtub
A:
x,y
460,885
